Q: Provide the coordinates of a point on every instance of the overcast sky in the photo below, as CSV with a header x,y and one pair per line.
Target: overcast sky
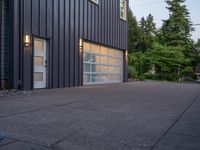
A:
x,y
158,9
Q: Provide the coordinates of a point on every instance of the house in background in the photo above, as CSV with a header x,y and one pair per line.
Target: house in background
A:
x,y
62,43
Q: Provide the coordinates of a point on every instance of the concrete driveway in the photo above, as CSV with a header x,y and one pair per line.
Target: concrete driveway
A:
x,y
128,116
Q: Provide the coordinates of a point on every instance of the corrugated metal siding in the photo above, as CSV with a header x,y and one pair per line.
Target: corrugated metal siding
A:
x,y
0,41
4,39
63,22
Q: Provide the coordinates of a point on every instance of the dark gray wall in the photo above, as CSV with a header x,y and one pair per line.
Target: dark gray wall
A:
x,y
63,22
4,43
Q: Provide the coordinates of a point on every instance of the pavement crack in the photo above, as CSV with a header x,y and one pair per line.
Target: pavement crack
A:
x,y
7,143
53,145
180,116
27,142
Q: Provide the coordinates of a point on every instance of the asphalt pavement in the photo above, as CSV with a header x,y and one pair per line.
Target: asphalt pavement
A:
x,y
127,116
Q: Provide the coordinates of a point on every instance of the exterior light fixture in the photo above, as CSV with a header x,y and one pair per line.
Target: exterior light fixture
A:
x,y
27,40
81,44
126,52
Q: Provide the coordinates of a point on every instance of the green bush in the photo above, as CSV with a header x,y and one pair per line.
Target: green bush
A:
x,y
133,74
131,71
168,77
142,78
171,77
152,76
187,71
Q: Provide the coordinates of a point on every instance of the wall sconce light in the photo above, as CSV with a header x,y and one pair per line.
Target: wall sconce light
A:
x,y
81,44
27,40
126,52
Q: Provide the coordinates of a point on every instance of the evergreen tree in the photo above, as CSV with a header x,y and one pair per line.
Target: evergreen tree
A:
x,y
148,28
176,31
134,32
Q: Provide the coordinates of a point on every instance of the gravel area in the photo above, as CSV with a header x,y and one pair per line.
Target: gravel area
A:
x,y
13,92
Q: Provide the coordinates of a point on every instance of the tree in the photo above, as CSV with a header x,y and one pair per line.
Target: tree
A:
x,y
169,61
137,60
176,31
134,32
148,28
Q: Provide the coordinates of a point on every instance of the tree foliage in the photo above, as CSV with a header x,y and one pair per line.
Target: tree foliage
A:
x,y
176,31
168,60
134,32
148,29
141,34
169,49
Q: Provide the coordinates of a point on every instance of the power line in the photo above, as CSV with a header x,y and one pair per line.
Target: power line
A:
x,y
198,24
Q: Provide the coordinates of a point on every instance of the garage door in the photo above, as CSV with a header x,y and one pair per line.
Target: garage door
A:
x,y
101,64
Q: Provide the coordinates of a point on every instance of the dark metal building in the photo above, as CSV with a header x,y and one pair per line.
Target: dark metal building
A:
x,y
63,43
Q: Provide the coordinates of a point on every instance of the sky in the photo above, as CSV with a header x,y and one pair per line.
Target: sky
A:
x,y
141,8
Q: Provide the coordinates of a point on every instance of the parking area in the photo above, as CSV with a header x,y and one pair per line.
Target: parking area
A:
x,y
127,116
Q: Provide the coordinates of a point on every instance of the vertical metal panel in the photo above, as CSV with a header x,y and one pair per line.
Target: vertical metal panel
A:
x,y
27,52
108,23
103,22
76,49
92,22
81,17
100,21
0,43
96,24
49,34
14,43
81,34
85,19
89,24
42,16
55,43
4,39
72,42
115,28
67,43
35,16
61,43
4,43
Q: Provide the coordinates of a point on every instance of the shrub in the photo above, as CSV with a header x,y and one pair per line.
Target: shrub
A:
x,y
152,76
171,77
131,72
142,78
187,71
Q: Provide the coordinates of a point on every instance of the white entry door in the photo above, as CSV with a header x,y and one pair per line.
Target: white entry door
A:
x,y
40,63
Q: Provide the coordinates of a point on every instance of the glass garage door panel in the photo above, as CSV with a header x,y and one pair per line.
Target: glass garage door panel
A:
x,y
101,64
